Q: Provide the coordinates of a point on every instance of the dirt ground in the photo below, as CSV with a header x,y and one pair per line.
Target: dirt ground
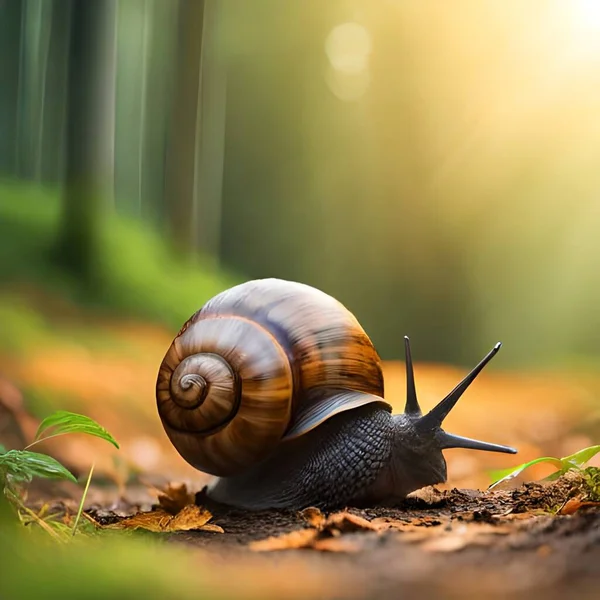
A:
x,y
441,544
454,542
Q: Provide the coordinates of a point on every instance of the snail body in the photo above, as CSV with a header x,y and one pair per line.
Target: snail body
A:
x,y
275,388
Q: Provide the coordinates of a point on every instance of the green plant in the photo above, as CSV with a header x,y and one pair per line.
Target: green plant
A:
x,y
19,467
591,477
573,461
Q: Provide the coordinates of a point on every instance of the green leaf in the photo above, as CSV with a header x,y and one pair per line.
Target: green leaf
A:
x,y
62,422
580,458
503,475
554,476
23,466
573,461
2,449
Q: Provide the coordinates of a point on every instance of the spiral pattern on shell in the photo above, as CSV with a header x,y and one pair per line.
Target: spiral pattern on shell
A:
x,y
232,379
199,393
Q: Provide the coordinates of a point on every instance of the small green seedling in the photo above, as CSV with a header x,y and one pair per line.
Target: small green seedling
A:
x,y
19,467
574,461
62,422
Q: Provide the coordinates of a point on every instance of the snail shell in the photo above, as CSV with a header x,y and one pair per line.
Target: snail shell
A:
x,y
258,364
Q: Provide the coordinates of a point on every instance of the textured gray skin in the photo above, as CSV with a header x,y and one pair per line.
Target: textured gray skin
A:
x,y
362,456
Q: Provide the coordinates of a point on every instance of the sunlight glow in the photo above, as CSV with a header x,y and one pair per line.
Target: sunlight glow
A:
x,y
586,14
583,19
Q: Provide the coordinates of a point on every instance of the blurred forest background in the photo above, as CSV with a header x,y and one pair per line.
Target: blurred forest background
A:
x,y
434,166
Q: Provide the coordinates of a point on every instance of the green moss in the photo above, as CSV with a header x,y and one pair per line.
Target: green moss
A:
x,y
138,274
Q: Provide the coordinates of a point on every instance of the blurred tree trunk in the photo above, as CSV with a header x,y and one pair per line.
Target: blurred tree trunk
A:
x,y
210,132
161,48
51,140
34,35
181,180
147,42
33,67
90,134
10,46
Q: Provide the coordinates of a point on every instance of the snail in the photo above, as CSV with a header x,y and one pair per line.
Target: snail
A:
x,y
274,387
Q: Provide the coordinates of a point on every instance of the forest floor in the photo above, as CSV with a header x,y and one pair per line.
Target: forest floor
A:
x,y
453,541
537,539
459,543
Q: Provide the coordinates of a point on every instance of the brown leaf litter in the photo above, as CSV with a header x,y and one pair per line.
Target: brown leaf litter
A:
x,y
176,511
175,497
452,520
572,505
327,533
191,517
324,533
433,520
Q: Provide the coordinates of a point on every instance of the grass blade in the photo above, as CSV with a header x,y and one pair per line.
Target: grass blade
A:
x,y
42,523
62,422
80,509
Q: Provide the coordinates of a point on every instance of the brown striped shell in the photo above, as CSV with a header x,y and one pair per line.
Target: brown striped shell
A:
x,y
252,360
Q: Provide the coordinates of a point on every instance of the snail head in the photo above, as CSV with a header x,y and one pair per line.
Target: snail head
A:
x,y
432,421
420,438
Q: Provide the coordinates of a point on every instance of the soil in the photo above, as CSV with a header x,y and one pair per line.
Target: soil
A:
x,y
450,544
439,544
456,543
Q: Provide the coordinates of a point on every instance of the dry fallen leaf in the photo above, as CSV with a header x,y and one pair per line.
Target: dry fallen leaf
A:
x,y
313,516
434,534
345,522
429,495
339,522
191,517
324,534
175,498
301,538
572,505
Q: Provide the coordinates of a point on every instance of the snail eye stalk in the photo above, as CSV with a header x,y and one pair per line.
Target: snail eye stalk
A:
x,y
433,420
412,404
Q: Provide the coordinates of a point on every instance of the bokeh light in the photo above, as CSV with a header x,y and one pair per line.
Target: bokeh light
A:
x,y
348,48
